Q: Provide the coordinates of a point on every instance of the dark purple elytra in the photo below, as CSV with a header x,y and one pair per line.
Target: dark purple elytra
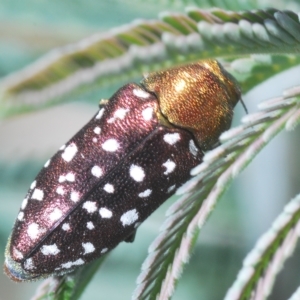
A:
x,y
119,168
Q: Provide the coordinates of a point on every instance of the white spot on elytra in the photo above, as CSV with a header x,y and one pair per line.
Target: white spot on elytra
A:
x,y
172,138
109,188
171,188
66,227
170,166
145,193
97,171
17,253
34,230
74,196
90,225
110,145
104,250
24,203
70,177
193,148
33,185
129,217
60,190
50,249
95,140
140,93
100,114
62,178
119,114
37,194
69,264
97,130
69,152
105,213
47,163
28,265
147,113
137,173
55,215
20,216
88,247
90,206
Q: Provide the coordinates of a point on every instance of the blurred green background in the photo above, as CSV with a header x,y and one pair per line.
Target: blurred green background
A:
x,y
28,29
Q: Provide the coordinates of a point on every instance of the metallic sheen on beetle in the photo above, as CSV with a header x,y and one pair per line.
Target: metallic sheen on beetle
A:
x,y
135,152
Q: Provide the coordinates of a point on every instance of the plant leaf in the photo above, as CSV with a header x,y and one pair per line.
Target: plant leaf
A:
x,y
296,295
70,286
257,68
263,263
171,250
77,70
229,5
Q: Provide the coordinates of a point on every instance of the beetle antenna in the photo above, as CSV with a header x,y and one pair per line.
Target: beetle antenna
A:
x,y
244,106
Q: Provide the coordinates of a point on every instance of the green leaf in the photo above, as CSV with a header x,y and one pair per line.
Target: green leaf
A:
x,y
70,286
75,70
264,262
256,69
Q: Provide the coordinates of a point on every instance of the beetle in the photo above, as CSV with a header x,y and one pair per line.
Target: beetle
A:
x,y
121,166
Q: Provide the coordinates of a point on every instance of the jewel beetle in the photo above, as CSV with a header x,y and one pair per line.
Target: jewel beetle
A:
x,y
121,166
